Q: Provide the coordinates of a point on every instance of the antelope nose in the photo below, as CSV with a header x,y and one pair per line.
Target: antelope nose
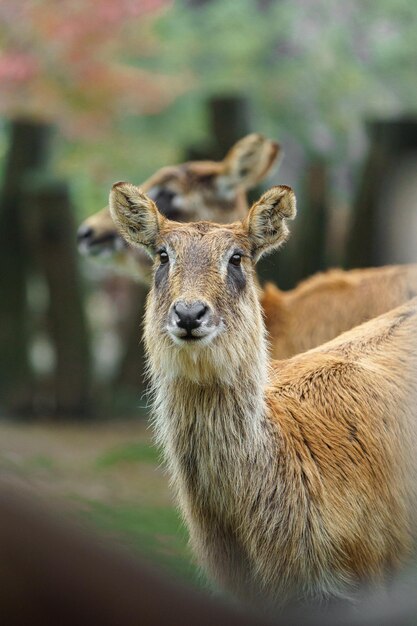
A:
x,y
84,233
190,316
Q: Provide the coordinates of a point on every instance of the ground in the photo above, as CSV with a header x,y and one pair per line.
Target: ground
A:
x,y
108,475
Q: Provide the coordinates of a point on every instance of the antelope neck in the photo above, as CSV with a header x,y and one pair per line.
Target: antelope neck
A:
x,y
213,432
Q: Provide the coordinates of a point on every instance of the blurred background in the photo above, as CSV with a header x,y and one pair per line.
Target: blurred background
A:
x,y
103,90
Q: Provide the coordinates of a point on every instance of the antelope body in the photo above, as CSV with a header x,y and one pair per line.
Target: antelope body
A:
x,y
296,478
327,304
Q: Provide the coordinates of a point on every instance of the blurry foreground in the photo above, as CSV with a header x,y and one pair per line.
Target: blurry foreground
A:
x,y
54,572
108,475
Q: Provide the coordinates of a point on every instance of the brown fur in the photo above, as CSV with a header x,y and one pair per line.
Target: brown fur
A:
x,y
296,478
325,305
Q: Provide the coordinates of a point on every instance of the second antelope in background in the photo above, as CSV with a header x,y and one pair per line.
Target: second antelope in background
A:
x,y
296,478
197,190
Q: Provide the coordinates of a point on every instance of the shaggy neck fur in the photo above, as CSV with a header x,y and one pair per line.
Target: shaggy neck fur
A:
x,y
209,405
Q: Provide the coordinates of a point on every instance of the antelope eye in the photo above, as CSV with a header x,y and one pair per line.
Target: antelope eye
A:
x,y
235,259
163,257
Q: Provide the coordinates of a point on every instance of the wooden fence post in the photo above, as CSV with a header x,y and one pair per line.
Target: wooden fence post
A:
x,y
131,375
53,235
28,149
228,119
376,213
305,252
312,222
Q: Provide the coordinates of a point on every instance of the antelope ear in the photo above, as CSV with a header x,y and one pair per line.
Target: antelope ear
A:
x,y
249,161
135,215
266,222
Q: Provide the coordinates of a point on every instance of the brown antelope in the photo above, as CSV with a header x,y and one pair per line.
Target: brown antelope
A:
x,y
198,190
295,478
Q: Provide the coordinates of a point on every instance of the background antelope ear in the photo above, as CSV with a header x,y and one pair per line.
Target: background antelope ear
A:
x,y
249,161
266,222
135,215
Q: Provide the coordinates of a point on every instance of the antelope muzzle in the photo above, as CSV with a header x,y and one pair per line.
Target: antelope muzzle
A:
x,y
191,321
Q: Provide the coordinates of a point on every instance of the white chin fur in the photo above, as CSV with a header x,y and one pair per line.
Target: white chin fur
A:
x,y
200,341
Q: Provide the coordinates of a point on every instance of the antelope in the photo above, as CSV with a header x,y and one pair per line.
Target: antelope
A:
x,y
197,190
296,478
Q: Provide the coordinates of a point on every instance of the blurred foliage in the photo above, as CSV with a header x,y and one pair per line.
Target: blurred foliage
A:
x,y
127,81
70,61
312,68
139,452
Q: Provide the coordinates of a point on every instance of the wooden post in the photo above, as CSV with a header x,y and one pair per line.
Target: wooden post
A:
x,y
305,252
312,222
228,119
377,211
53,236
52,573
28,149
131,376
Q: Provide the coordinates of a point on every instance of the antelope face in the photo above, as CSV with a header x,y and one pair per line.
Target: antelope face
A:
x,y
201,272
203,304
210,190
198,190
97,236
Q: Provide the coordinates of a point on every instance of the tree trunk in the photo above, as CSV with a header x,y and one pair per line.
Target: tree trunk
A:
x,y
228,121
28,149
131,377
312,222
380,209
53,237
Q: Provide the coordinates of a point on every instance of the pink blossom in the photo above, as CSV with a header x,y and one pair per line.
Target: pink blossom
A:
x,y
17,67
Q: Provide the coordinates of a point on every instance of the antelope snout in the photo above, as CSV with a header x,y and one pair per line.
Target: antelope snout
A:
x,y
190,320
85,234
95,242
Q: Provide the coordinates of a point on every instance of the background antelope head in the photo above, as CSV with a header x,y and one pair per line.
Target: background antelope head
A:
x,y
203,316
198,190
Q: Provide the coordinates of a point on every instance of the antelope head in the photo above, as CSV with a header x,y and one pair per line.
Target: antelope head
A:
x,y
203,315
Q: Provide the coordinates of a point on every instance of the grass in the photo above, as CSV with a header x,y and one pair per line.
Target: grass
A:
x,y
139,452
41,462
